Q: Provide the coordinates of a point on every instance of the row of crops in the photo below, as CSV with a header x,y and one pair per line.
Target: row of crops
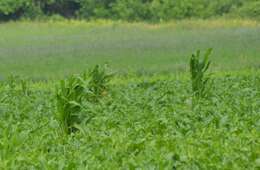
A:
x,y
92,121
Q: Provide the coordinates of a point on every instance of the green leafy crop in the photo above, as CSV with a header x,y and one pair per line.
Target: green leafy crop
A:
x,y
69,97
199,78
73,92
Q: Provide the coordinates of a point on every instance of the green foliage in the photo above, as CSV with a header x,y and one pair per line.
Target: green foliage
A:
x,y
199,78
17,85
12,81
146,124
25,87
73,92
69,102
99,82
131,10
249,10
64,8
95,9
11,6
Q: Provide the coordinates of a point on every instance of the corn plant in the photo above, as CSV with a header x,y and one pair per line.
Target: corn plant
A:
x,y
12,81
24,87
73,92
199,78
69,96
98,83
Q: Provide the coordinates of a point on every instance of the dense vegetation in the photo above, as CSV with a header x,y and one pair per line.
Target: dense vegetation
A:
x,y
140,123
157,106
152,122
151,10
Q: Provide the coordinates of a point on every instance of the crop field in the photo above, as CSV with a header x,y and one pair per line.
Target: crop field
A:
x,y
149,104
55,49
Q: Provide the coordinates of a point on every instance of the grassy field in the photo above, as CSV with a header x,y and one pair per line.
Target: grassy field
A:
x,y
147,117
55,49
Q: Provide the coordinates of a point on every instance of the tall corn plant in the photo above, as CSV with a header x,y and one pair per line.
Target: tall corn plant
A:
x,y
72,93
199,77
99,80
69,95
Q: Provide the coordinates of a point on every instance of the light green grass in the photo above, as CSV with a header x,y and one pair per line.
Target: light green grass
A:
x,y
55,49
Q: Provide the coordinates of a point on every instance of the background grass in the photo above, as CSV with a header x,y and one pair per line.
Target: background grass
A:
x,y
55,49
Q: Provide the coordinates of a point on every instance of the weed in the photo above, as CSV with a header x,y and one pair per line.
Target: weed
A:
x,y
99,80
69,96
12,81
199,78
74,91
24,87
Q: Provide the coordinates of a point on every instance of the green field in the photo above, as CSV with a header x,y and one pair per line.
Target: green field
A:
x,y
44,50
146,118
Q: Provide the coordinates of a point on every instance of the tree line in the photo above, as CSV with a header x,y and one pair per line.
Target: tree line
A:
x,y
130,10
